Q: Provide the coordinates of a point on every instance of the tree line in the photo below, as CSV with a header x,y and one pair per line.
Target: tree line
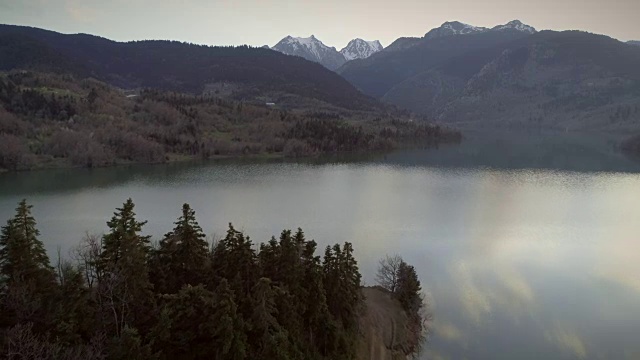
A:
x,y
120,297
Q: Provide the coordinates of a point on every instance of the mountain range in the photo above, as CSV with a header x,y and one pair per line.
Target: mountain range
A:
x,y
457,28
239,73
508,75
315,50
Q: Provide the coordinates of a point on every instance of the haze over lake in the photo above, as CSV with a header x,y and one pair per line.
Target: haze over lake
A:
x,y
528,247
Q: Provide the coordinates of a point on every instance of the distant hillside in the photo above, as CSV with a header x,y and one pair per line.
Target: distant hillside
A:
x,y
51,120
21,51
568,80
239,73
634,42
408,57
508,75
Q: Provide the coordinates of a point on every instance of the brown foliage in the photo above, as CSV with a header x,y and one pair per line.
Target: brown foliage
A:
x,y
14,154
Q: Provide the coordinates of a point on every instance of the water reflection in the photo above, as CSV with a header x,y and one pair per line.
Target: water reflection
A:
x,y
534,263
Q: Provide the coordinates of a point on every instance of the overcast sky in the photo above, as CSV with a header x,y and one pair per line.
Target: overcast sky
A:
x,y
335,22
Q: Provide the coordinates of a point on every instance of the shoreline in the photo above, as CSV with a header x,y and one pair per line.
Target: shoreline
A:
x,y
61,164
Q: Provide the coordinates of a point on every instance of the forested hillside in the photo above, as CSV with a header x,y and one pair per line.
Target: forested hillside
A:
x,y
408,57
244,72
568,80
119,297
49,120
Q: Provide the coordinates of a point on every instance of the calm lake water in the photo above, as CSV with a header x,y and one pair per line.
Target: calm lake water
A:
x,y
528,247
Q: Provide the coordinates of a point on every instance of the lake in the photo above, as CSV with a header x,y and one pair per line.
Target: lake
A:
x,y
528,246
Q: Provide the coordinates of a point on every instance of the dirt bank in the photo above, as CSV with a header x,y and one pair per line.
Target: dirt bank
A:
x,y
384,334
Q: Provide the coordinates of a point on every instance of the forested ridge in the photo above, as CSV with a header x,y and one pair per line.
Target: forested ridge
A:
x,y
175,66
52,120
121,297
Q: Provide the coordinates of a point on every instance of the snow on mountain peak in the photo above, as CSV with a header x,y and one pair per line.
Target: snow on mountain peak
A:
x,y
516,25
457,28
311,44
360,49
311,49
453,28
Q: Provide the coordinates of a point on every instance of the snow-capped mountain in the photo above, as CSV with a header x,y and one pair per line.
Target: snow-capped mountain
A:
x,y
360,49
451,28
516,25
311,49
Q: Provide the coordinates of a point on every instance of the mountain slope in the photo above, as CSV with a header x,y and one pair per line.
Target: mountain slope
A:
x,y
404,59
633,42
567,80
252,73
54,120
360,49
18,50
402,43
311,49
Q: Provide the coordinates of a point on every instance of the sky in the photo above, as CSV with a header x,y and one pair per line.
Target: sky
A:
x,y
335,22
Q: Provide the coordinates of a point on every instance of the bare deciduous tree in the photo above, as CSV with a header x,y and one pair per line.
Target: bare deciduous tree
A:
x,y
22,343
387,274
86,255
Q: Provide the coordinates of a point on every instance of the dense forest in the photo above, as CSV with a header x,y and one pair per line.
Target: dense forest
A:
x,y
49,120
120,297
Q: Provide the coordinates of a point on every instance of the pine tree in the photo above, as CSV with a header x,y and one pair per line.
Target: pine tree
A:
x,y
200,324
234,259
22,254
316,313
268,337
27,281
75,314
408,288
183,256
342,286
230,337
410,297
268,258
124,287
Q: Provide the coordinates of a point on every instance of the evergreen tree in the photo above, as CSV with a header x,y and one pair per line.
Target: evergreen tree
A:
x,y
124,287
183,256
316,313
408,288
342,286
27,280
410,297
22,254
268,337
230,337
288,276
198,324
268,258
234,259
75,312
